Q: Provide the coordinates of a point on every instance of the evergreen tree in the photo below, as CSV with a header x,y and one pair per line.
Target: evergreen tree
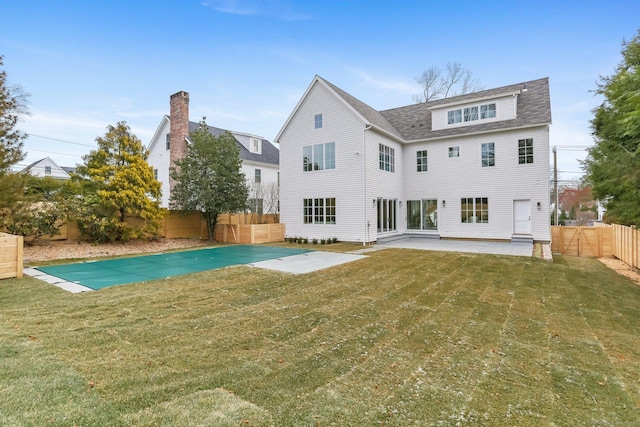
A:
x,y
12,103
613,165
209,178
120,196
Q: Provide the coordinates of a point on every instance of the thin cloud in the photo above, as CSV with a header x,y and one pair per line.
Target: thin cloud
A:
x,y
277,9
386,85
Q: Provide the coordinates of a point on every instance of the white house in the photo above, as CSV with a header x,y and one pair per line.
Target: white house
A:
x,y
260,158
47,167
474,166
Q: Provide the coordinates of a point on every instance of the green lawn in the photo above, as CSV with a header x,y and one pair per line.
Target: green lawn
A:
x,y
403,337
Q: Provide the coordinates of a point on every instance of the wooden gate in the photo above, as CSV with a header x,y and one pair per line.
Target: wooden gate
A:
x,y
581,241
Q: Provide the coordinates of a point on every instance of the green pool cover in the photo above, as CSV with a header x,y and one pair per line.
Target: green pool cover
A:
x,y
101,274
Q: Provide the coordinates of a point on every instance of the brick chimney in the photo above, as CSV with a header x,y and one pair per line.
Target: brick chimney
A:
x,y
178,128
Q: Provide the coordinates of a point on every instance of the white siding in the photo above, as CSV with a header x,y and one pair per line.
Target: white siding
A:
x,y
40,169
447,179
383,184
451,179
159,159
342,126
268,174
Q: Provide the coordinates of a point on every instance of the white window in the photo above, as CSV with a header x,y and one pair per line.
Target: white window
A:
x,y
525,151
319,157
454,116
168,141
488,154
47,170
256,145
474,210
387,158
487,111
421,160
317,121
454,151
258,176
470,114
319,210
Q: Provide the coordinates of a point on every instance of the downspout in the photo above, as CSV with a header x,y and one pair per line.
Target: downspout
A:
x,y
365,234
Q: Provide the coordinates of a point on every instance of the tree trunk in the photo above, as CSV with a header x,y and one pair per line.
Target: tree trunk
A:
x,y
212,218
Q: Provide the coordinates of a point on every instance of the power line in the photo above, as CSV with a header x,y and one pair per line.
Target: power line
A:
x,y
62,140
54,152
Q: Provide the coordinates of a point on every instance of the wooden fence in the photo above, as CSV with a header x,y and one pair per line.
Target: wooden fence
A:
x,y
187,225
11,256
602,240
249,233
581,241
626,243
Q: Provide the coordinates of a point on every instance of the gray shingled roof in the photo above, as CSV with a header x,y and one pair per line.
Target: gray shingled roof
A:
x,y
270,154
413,122
372,116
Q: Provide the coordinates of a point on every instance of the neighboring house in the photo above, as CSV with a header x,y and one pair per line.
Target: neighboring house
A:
x,y
260,158
46,167
474,166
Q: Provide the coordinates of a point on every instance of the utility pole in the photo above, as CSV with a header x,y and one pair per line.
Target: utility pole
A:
x,y
555,182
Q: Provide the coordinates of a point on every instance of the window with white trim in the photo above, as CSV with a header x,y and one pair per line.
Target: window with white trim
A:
x,y
487,111
317,121
47,170
525,151
319,210
387,158
167,141
256,145
454,116
421,160
319,157
422,214
454,151
257,176
474,210
470,114
488,154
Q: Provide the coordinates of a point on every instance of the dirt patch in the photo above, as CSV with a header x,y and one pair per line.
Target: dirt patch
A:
x,y
51,250
622,268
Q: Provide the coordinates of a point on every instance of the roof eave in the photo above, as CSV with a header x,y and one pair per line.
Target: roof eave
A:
x,y
482,132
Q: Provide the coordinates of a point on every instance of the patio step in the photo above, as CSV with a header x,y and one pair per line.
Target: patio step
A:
x,y
522,238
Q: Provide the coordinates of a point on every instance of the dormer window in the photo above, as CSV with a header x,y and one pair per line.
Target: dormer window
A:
x,y
256,145
488,111
470,114
317,121
454,116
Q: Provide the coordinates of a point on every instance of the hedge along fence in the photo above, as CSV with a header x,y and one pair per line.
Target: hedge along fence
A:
x,y
11,256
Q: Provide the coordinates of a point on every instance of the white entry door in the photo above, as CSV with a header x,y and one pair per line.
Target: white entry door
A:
x,y
522,217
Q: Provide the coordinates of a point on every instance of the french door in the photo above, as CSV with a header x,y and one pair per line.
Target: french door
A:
x,y
387,215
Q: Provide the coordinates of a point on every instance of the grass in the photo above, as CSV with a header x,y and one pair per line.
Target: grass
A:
x,y
400,338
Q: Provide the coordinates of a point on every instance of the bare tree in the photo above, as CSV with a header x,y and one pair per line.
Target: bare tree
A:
x,y
454,80
263,199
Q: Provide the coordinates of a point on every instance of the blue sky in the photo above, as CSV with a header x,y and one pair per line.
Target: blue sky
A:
x,y
246,63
